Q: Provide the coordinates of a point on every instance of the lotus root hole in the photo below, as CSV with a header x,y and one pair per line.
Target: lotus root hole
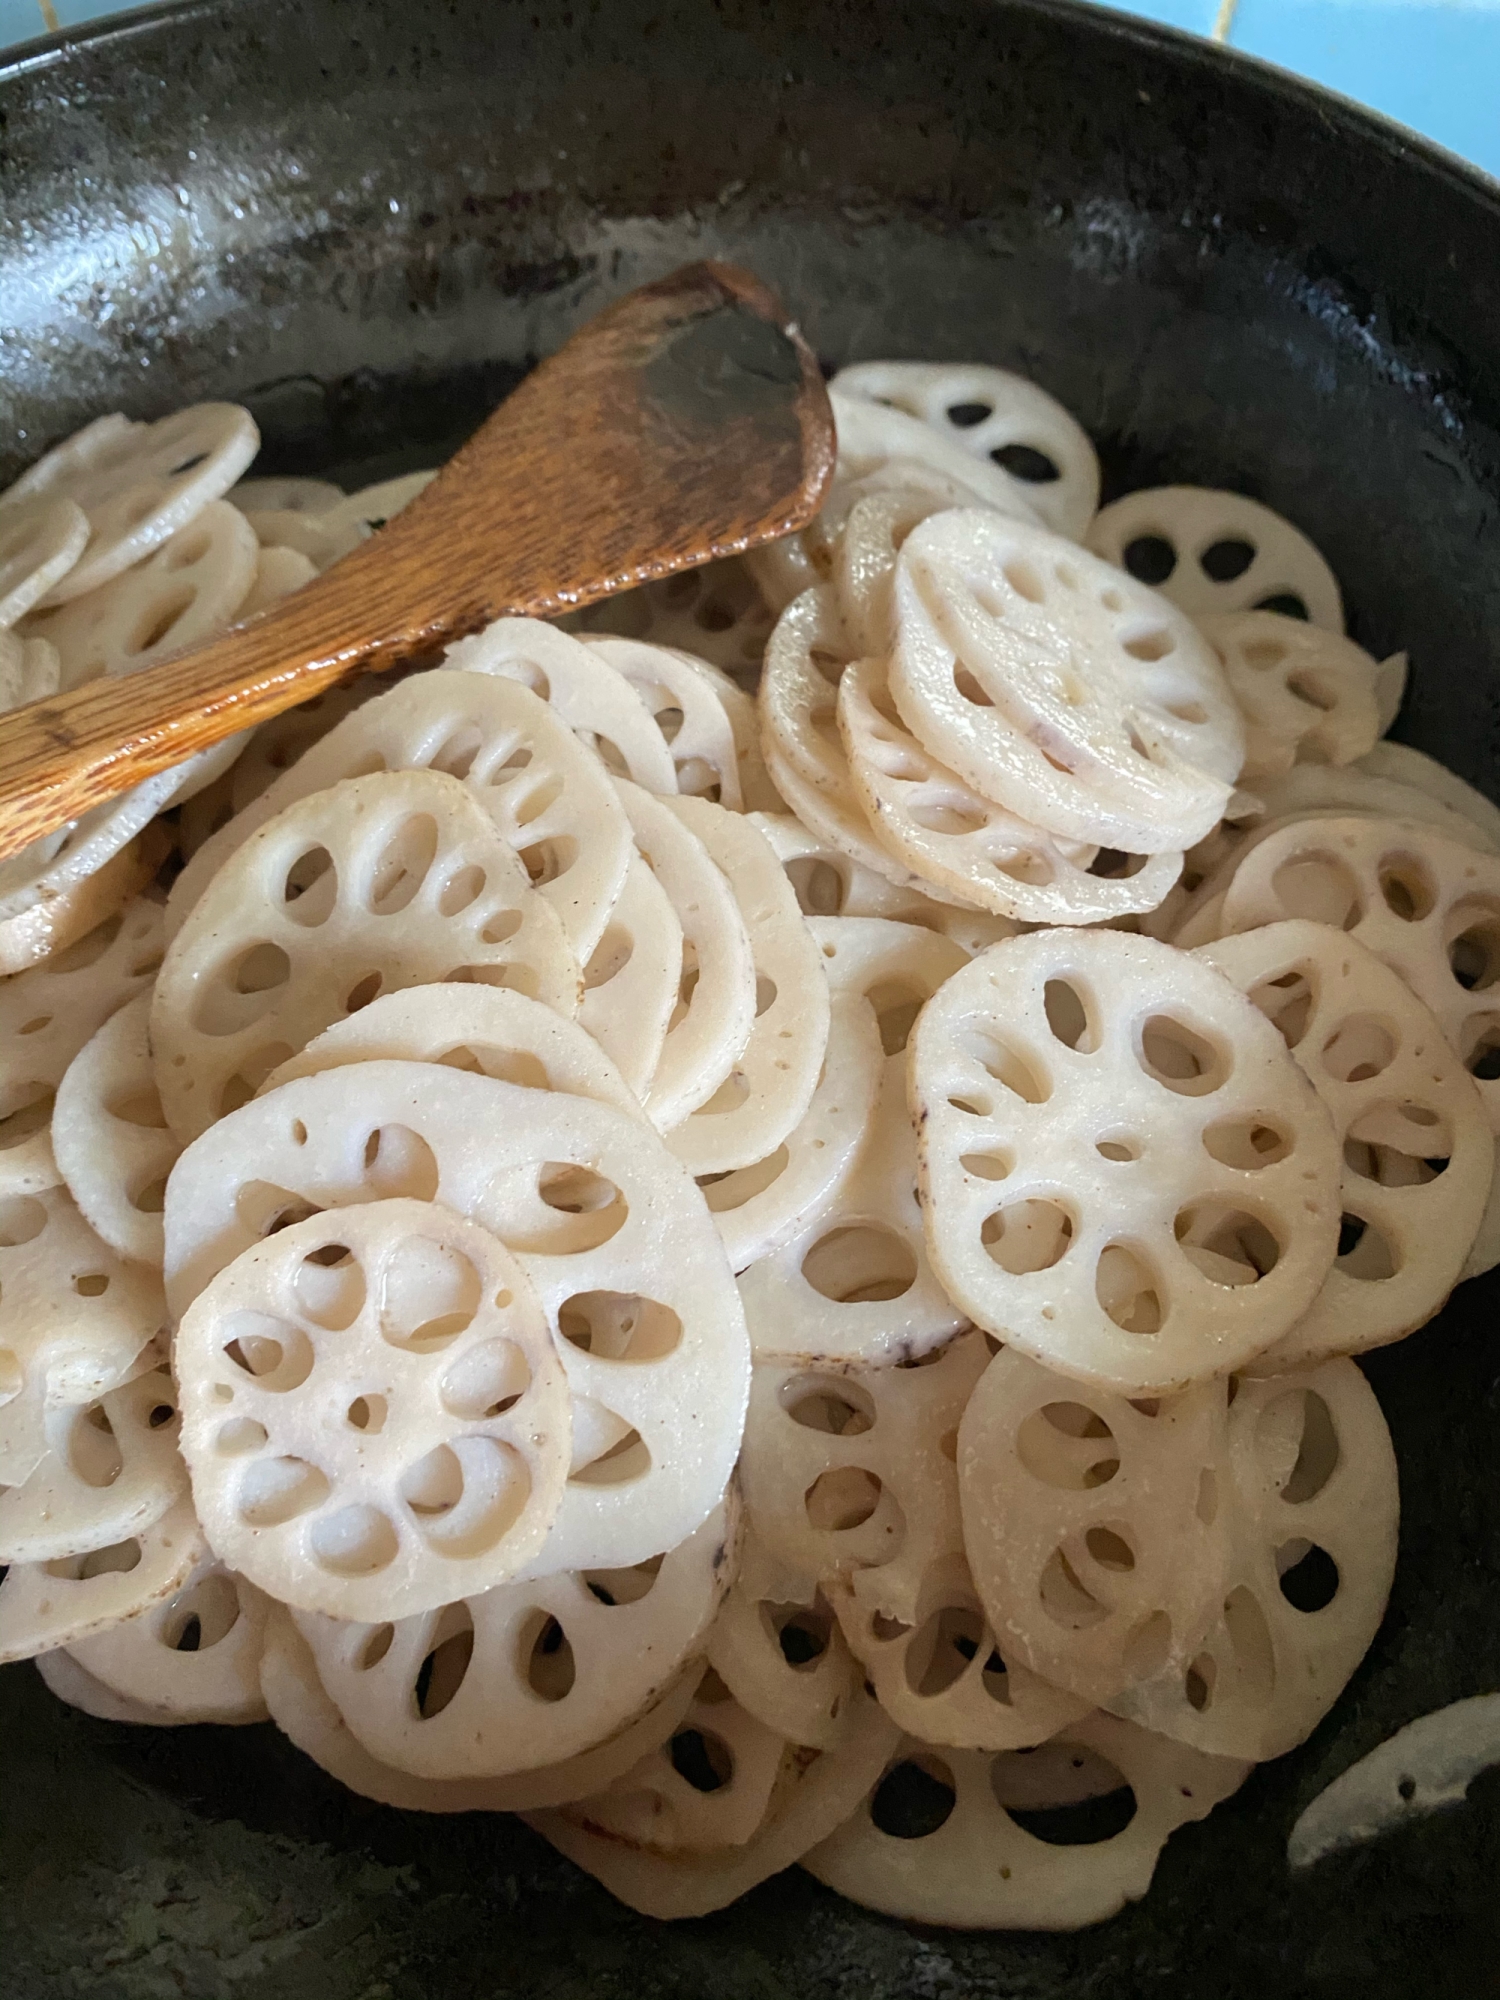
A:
x,y
1298,1442
1181,1058
398,1161
1407,886
429,1294
22,1220
119,1559
1102,1807
1109,1548
93,1452
1321,887
1398,1145
1246,1144
1069,1016
1120,1147
329,1287
274,1491
462,888
625,1462
239,1437
252,975
1129,1290
376,1645
897,1004
201,1615
801,1632
623,1586
1146,1650
1474,949
1480,1044
264,1209
1151,645
914,1798
466,1496
841,1499
860,1264
277,1354
969,688
367,1413
445,1663
1027,1236
546,1657
1069,1446
310,888
1004,1064
834,1405
1065,1599
619,1326
1365,1251
485,1382
1359,1048
1230,1246
1308,1574
593,1208
701,1759
818,886
456,754
31,1110
1150,559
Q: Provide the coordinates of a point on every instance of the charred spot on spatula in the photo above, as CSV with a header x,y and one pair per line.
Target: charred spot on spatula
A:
x,y
721,365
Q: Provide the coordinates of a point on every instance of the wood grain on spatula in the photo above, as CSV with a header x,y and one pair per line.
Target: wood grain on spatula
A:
x,y
688,421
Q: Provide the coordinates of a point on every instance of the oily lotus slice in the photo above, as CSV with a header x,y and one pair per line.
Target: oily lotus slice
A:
x,y
1426,906
112,1469
47,1014
277,744
786,1665
285,495
373,1413
816,1790
582,690
1402,765
863,571
1094,1524
483,1030
837,823
549,797
278,572
1312,1510
48,928
110,1137
850,1470
854,1282
1308,694
63,1678
980,1867
394,880
757,793
608,1226
184,592
686,711
29,668
50,1604
633,981
73,1319
1374,791
716,613
139,483
1417,1148
771,1083
372,506
192,1657
527,1675
1213,553
1123,1172
1056,686
715,1013
40,541
997,418
966,845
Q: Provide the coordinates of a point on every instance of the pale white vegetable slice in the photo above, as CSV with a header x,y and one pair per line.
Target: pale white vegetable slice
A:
x,y
1123,1171
609,1228
981,1868
1387,790
786,1665
1058,687
581,687
277,744
771,1083
1402,765
110,1137
373,1413
1000,419
285,494
63,1677
632,983
306,534
854,1282
63,860
111,1469
29,668
40,541
1308,695
194,1657
688,712
834,820
1418,1154
716,612
46,927
372,506
139,483
278,572
1213,552
44,1605
379,883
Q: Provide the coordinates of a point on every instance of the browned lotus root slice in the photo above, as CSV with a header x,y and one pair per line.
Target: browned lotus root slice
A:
x,y
372,1412
687,711
1212,553
110,1137
1123,1171
111,1469
1056,686
139,483
188,589
380,883
73,1318
632,984
1425,905
1094,1525
610,1230
1308,695
278,572
815,1791
1311,1517
549,797
1418,1153
44,1605
581,688
40,540
285,495
964,844
981,1867
854,1282
527,1675
1399,764
772,1078
50,925
784,1664
193,1657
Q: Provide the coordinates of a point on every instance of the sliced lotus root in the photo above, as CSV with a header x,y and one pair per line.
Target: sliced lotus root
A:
x,y
110,1137
632,985
47,927
715,1013
285,495
277,744
50,1604
62,860
1094,1525
1417,1149
876,437
836,822
1059,688
62,1677
716,612
1123,1171
372,1411
815,1792
1312,1513
951,1837
192,1657
784,1664
757,793
1402,765
1000,419
527,1675
854,1282
312,536
688,713
771,1082
278,572
29,668
610,1230
380,883
1309,789
581,688
1428,907
964,844
188,589
40,541
372,506
139,483
1484,1254
1308,695
111,1469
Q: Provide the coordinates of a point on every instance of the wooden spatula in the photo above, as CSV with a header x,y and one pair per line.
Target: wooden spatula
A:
x,y
687,421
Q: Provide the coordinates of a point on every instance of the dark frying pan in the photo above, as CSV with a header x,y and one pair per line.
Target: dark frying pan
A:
x,y
366,218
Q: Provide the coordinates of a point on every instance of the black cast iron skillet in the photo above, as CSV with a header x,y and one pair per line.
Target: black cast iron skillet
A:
x,y
365,218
